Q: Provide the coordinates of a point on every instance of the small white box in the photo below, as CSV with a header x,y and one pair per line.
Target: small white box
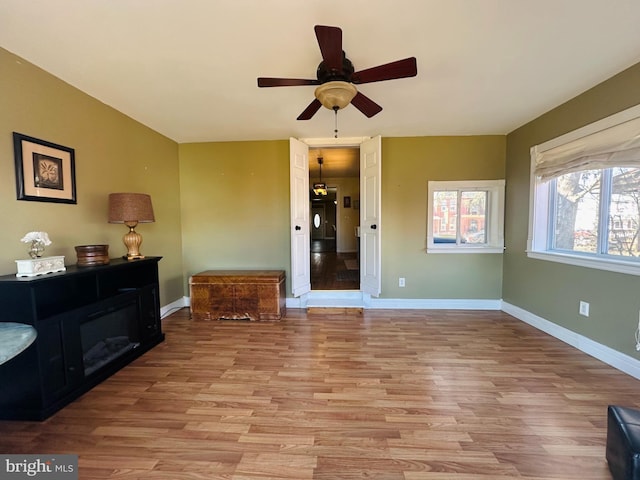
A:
x,y
40,266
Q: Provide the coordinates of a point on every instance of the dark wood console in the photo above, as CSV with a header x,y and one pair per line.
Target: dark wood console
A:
x,y
91,322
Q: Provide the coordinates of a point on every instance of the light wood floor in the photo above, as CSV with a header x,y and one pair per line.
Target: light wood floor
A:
x,y
389,395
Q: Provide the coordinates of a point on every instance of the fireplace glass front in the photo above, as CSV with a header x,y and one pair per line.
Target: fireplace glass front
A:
x,y
107,335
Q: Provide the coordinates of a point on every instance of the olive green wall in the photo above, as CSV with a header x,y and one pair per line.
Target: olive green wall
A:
x,y
235,211
113,153
235,206
553,290
407,165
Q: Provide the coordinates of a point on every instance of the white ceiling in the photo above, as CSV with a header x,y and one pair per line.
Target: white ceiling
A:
x,y
188,68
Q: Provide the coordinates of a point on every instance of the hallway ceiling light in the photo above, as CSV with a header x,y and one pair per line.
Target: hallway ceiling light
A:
x,y
320,188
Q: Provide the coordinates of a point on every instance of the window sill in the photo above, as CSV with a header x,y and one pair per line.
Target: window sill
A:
x,y
621,266
464,249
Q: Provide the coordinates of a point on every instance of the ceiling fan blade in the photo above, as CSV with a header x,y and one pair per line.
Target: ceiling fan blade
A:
x,y
389,71
285,82
311,110
330,42
366,105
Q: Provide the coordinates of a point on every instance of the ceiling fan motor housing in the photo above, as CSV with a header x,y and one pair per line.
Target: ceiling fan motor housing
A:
x,y
325,74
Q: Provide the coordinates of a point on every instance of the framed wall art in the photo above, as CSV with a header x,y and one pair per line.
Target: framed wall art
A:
x,y
45,172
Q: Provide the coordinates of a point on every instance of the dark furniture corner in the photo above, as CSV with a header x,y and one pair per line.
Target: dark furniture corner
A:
x,y
90,322
623,442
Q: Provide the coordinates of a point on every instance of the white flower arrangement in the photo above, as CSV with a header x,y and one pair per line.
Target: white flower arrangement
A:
x,y
42,237
37,241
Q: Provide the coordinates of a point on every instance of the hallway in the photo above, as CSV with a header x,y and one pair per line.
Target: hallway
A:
x,y
331,270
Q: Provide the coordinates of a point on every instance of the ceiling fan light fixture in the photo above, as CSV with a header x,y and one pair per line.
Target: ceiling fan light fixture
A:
x,y
335,95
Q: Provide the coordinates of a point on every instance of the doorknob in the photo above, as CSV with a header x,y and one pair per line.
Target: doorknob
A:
x,y
374,226
298,227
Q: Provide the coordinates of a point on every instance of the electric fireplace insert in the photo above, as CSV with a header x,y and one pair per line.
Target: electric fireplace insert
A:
x,y
107,334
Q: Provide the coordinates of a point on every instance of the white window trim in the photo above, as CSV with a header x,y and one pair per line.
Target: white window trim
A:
x,y
538,235
495,216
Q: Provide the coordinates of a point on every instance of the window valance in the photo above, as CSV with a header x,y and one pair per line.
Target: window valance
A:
x,y
617,145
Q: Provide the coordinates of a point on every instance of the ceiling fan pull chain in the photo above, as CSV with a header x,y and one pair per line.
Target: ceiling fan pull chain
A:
x,y
335,110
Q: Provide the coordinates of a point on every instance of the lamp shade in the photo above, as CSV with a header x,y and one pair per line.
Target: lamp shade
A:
x,y
130,207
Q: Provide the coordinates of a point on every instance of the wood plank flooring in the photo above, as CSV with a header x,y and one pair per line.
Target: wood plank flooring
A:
x,y
388,395
328,268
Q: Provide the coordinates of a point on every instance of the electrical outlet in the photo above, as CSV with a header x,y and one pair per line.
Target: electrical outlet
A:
x,y
401,282
584,308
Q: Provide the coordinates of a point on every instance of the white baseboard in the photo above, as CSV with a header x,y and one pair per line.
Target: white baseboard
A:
x,y
173,306
436,303
616,359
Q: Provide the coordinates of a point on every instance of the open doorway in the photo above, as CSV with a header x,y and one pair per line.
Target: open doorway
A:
x,y
334,216
367,212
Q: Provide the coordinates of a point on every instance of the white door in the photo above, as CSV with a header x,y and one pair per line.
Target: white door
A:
x,y
300,228
370,206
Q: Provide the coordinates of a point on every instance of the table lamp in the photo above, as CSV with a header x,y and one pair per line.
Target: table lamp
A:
x,y
131,209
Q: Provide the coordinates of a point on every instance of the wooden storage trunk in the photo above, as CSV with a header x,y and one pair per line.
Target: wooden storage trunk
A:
x,y
238,295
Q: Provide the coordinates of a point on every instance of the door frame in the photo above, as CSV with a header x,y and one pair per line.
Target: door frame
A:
x,y
355,142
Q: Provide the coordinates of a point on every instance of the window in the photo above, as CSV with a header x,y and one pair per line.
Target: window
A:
x,y
585,205
466,217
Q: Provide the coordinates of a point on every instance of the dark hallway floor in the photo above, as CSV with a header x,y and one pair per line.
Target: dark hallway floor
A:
x,y
331,270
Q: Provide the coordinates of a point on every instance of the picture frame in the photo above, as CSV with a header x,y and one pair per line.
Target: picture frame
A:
x,y
45,171
347,202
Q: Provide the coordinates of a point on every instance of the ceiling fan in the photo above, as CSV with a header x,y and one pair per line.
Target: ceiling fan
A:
x,y
336,77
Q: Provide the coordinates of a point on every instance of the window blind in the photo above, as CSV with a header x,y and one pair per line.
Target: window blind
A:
x,y
616,146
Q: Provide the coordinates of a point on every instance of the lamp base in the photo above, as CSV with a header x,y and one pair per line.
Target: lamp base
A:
x,y
133,257
132,240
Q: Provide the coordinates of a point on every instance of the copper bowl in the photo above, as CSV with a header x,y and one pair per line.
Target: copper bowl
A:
x,y
92,255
